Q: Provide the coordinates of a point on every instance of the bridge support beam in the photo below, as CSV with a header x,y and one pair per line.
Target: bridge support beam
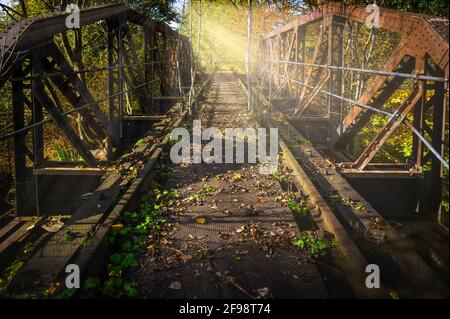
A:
x,y
313,75
335,80
42,98
149,66
436,106
24,181
115,76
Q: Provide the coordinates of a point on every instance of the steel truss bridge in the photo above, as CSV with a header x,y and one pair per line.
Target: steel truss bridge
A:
x,y
311,81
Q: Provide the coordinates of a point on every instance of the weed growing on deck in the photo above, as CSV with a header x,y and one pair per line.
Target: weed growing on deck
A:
x,y
297,208
208,190
314,245
9,273
130,235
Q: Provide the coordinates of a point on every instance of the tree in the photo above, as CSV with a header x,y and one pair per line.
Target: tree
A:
x,y
160,10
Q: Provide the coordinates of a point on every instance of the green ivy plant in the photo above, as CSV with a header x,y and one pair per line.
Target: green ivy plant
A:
x,y
314,245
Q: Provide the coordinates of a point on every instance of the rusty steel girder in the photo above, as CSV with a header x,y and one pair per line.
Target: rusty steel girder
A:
x,y
319,84
426,34
41,76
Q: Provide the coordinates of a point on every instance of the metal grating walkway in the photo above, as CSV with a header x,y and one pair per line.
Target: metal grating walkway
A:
x,y
243,249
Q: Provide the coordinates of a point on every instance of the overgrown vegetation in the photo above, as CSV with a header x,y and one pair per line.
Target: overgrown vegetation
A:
x,y
131,235
309,241
66,154
136,232
9,272
297,208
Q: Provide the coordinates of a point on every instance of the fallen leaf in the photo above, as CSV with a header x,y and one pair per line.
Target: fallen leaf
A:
x,y
117,226
200,220
263,292
237,177
176,285
186,258
52,288
262,200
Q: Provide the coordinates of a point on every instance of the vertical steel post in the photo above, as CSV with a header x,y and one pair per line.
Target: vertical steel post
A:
x,y
191,53
248,59
38,131
148,64
335,82
438,143
25,188
111,82
199,32
37,114
297,51
178,55
120,79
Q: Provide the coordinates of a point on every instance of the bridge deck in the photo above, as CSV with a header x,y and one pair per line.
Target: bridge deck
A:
x,y
237,242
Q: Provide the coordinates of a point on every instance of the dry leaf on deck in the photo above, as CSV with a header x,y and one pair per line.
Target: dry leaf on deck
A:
x,y
200,220
186,258
176,285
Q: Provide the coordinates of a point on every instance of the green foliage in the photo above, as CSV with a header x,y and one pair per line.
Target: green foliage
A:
x,y
91,283
129,290
224,30
66,154
67,293
277,175
196,198
130,237
297,208
160,10
303,141
394,295
208,189
314,245
167,195
162,177
10,271
201,194
9,274
281,176
431,7
68,237
114,285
